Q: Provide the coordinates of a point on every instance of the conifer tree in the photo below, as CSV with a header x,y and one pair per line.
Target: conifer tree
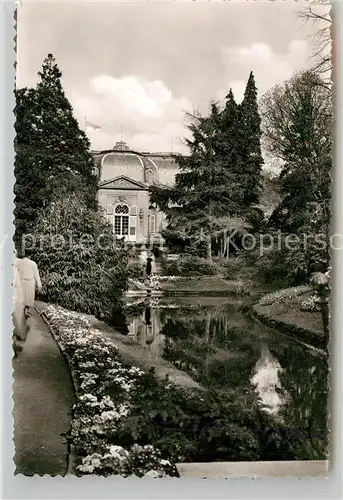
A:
x,y
250,145
229,151
52,153
203,203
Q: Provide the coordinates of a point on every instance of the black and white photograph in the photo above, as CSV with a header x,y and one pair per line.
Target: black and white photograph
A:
x,y
172,270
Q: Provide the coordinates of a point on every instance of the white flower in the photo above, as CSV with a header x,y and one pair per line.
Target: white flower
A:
x,y
89,397
86,468
96,415
164,462
153,473
118,452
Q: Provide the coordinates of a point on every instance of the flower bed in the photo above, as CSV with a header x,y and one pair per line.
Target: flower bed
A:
x,y
311,304
97,418
284,295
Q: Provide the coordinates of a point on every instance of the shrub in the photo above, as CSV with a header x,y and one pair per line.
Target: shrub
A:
x,y
234,268
135,271
83,267
197,248
97,418
196,266
171,268
281,266
188,265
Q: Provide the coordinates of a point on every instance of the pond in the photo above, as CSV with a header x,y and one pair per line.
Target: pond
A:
x,y
213,340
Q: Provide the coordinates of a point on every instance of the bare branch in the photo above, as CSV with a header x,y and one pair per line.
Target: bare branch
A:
x,y
318,13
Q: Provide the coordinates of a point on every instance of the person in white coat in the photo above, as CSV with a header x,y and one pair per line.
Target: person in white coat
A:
x,y
30,281
18,315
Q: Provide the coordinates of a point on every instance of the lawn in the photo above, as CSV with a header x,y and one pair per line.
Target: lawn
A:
x,y
202,284
289,312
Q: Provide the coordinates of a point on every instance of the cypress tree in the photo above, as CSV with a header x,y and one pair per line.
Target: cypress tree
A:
x,y
229,152
250,146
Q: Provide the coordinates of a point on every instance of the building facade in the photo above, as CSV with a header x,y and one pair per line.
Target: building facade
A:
x,y
125,177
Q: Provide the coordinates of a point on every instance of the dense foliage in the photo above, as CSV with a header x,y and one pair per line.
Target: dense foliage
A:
x,y
57,220
52,153
297,128
190,265
219,184
82,265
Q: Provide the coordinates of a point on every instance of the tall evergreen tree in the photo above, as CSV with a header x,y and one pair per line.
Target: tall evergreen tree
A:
x,y
52,153
203,203
250,144
220,182
229,151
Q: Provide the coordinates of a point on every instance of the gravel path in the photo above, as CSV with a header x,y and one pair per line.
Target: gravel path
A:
x,y
43,394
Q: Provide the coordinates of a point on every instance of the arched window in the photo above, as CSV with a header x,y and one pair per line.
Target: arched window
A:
x,y
121,220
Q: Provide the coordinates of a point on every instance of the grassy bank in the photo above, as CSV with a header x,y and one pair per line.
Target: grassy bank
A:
x,y
286,315
203,285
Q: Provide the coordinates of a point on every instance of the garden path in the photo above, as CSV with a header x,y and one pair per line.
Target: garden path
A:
x,y
43,394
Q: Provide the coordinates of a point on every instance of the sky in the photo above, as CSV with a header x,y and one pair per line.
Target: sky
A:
x,y
134,68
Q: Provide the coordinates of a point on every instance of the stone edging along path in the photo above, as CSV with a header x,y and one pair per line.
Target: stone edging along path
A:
x,y
302,334
164,370
72,461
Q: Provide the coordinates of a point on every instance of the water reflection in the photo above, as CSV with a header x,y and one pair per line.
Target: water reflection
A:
x,y
266,380
145,328
221,348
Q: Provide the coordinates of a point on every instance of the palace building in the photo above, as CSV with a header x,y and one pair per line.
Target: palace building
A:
x,y
124,179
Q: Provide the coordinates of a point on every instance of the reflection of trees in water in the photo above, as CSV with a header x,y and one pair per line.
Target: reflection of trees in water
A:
x,y
299,429
211,344
305,379
222,349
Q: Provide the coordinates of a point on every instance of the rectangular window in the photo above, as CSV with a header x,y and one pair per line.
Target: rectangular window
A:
x,y
132,225
117,225
125,224
152,228
121,225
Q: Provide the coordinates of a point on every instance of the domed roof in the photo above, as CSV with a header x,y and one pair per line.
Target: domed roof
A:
x,y
122,162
